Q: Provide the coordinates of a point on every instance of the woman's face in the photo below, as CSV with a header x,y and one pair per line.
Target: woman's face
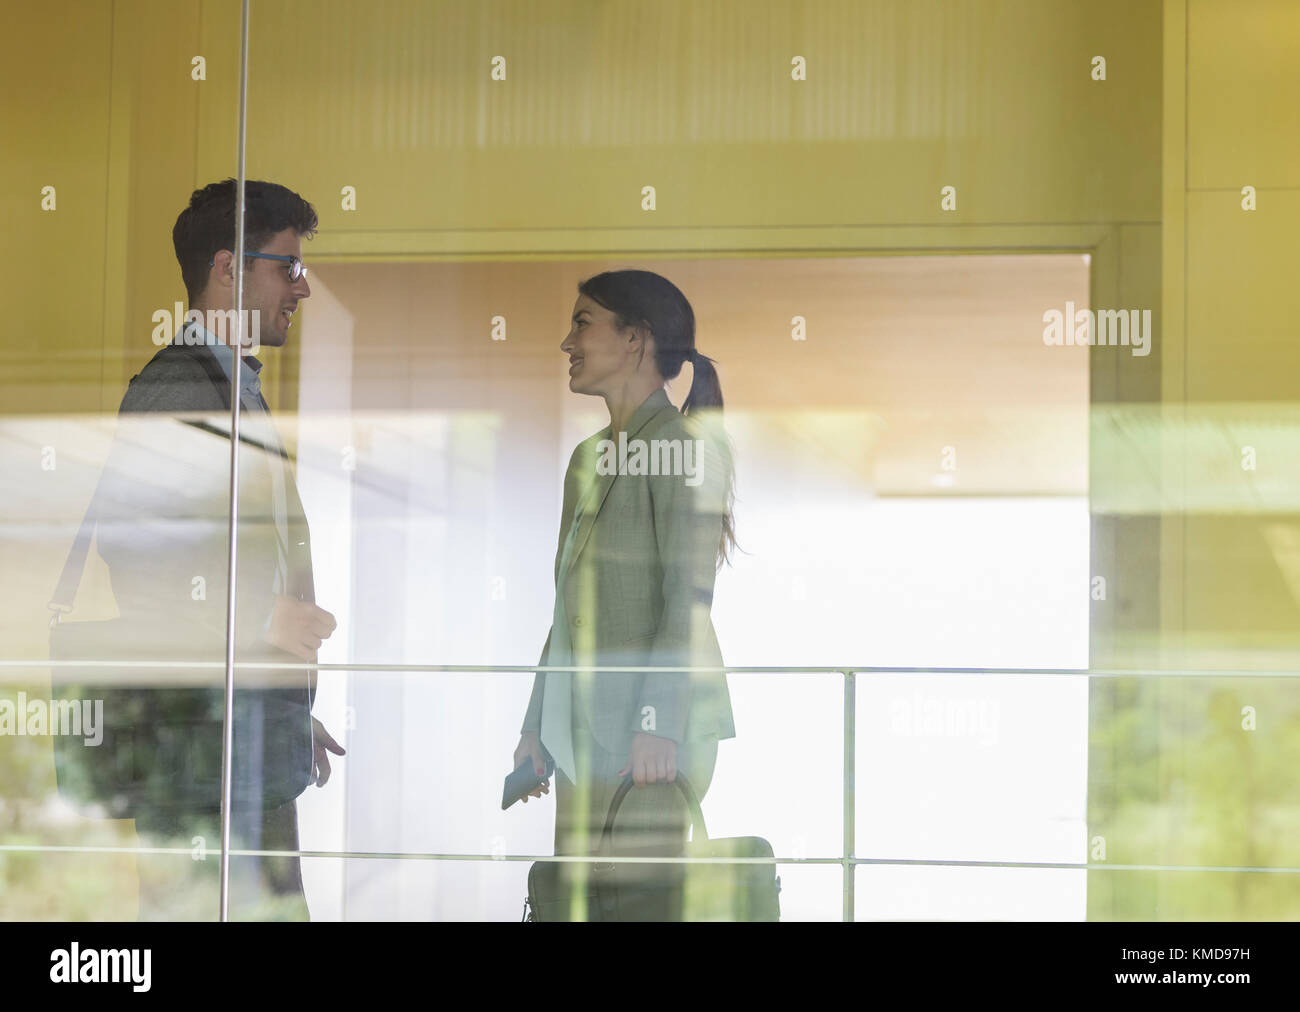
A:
x,y
601,358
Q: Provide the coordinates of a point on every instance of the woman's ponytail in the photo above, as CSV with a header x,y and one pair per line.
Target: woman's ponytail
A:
x,y
705,397
706,390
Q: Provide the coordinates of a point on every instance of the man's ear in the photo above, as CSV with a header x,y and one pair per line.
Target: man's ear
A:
x,y
221,271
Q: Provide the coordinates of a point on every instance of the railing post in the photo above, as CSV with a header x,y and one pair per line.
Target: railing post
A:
x,y
850,771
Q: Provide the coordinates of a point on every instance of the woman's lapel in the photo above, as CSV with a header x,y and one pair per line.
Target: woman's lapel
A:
x,y
656,403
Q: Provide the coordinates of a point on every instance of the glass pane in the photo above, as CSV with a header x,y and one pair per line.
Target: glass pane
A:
x,y
882,259
115,477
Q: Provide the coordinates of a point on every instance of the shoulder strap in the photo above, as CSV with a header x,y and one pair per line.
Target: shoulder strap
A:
x,y
210,366
65,593
70,579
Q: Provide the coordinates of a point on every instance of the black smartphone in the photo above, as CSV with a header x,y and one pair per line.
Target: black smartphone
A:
x,y
523,780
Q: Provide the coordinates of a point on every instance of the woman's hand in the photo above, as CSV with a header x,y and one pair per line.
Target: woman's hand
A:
x,y
530,745
652,759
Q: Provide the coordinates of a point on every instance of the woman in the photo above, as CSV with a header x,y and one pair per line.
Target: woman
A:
x,y
645,525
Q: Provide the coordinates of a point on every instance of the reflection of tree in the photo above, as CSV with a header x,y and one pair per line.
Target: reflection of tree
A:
x,y
1175,779
51,885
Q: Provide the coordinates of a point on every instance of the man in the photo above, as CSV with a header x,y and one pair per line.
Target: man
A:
x,y
162,529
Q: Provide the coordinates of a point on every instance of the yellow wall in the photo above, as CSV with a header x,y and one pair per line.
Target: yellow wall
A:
x,y
1206,766
902,98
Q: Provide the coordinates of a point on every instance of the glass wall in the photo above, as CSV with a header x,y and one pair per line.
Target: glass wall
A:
x,y
841,251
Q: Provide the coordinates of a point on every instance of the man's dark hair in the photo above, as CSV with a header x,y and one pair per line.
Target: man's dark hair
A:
x,y
208,224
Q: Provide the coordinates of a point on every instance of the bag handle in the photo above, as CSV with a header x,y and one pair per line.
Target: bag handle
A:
x,y
687,791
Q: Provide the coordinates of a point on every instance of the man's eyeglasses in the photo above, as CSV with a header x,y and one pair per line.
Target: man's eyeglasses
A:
x,y
296,268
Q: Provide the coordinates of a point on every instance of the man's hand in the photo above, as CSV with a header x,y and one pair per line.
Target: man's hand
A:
x,y
652,759
299,627
530,745
320,742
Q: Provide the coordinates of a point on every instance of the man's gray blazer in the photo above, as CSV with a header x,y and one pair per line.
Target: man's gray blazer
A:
x,y
639,587
163,522
163,531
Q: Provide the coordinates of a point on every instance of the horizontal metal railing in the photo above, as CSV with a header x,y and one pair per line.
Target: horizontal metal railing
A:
x,y
847,859
778,669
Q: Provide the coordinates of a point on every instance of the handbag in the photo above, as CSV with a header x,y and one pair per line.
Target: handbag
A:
x,y
649,891
161,736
